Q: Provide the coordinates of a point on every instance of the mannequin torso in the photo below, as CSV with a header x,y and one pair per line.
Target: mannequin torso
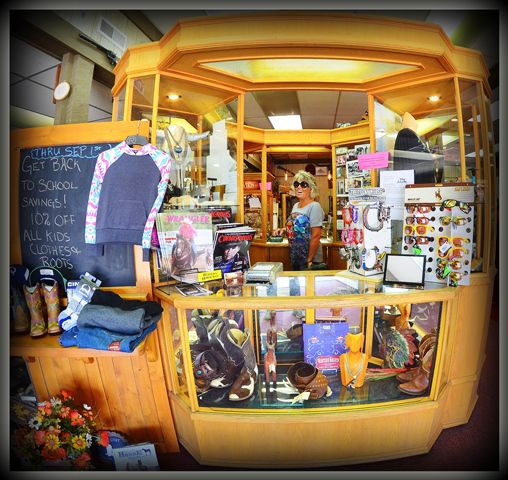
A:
x,y
353,364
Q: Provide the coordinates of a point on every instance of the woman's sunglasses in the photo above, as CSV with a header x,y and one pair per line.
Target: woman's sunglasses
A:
x,y
453,264
458,221
420,240
450,252
450,203
418,220
419,229
454,241
300,184
418,208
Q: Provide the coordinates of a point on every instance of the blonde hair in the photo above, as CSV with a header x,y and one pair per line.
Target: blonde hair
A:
x,y
303,176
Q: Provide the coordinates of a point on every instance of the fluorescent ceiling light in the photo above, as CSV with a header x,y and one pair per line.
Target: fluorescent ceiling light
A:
x,y
286,122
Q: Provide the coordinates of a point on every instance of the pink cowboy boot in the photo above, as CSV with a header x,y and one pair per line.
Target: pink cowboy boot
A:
x,y
52,306
34,301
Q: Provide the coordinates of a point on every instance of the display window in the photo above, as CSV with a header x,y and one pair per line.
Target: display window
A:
x,y
246,358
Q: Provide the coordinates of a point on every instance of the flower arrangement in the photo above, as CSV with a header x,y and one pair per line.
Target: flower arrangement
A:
x,y
59,430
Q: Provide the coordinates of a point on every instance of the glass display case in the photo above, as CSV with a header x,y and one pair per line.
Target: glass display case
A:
x,y
299,320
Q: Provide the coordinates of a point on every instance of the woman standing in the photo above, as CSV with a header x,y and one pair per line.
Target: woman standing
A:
x,y
304,224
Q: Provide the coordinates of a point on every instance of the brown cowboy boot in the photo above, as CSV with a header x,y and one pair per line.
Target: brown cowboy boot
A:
x,y
420,382
52,306
34,301
408,375
243,387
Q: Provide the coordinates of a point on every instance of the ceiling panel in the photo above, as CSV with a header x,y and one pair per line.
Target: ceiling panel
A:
x,y
254,114
352,105
318,108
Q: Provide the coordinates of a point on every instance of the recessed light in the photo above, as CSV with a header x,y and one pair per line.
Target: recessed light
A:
x,y
174,96
434,98
286,122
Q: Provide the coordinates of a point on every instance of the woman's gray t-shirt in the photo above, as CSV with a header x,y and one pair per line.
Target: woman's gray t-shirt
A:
x,y
315,213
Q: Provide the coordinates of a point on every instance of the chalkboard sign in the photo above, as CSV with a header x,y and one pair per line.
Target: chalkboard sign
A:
x,y
53,195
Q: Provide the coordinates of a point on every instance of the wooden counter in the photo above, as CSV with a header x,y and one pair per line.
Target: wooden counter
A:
x,y
279,252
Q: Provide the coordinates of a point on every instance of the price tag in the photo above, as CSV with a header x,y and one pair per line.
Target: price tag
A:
x,y
207,276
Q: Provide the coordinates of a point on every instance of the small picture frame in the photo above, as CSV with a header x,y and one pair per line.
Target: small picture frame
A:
x,y
341,188
354,182
341,159
353,169
362,149
321,171
351,155
357,182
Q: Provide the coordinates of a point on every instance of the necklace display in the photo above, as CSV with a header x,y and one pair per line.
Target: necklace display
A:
x,y
179,151
383,214
355,375
177,147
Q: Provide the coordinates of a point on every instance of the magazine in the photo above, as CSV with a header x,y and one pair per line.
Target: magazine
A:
x,y
221,215
141,456
224,226
186,243
231,250
192,289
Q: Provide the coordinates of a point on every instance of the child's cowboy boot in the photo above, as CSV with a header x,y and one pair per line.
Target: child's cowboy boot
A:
x,y
34,301
19,309
52,306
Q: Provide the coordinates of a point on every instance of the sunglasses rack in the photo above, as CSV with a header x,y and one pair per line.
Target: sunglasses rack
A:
x,y
366,236
444,234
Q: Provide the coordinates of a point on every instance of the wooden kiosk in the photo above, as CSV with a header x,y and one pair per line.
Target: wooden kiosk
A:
x,y
213,64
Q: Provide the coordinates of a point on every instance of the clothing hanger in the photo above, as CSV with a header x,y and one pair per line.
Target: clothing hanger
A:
x,y
137,139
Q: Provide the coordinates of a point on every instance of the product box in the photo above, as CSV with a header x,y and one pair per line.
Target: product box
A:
x,y
324,343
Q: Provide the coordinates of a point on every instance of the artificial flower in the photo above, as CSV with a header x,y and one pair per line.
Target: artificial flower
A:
x,y
35,423
83,461
64,412
76,418
40,437
53,454
65,394
103,439
78,442
51,441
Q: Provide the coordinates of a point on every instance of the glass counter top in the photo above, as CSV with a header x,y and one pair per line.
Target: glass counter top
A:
x,y
342,283
310,284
